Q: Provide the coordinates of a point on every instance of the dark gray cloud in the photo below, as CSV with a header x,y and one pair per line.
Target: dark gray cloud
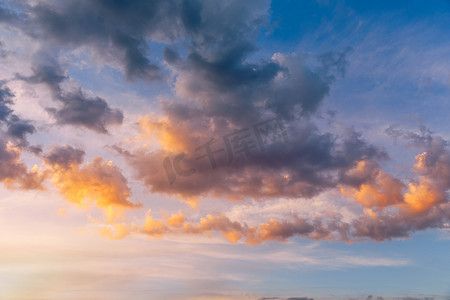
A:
x,y
225,86
16,129
216,72
230,71
3,52
418,139
119,28
191,15
92,113
64,156
7,15
5,101
122,29
76,107
137,62
46,70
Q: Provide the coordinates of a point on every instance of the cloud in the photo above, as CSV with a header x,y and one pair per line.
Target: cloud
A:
x,y
76,108
122,26
236,124
218,90
16,128
232,230
220,95
374,188
14,173
64,156
378,226
391,208
425,203
92,113
98,182
304,166
121,30
5,102
168,136
433,167
7,15
228,89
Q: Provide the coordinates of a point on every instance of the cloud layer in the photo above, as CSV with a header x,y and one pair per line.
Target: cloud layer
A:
x,y
237,124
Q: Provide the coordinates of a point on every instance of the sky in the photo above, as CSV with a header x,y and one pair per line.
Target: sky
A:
x,y
190,150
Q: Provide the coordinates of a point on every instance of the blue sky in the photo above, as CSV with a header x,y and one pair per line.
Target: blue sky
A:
x,y
97,97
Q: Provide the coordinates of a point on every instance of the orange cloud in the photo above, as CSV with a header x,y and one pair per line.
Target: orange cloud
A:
x,y
371,187
170,138
383,191
423,196
233,231
115,231
14,173
391,209
176,220
98,182
430,191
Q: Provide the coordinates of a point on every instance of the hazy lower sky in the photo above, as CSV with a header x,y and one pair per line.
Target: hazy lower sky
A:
x,y
181,150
